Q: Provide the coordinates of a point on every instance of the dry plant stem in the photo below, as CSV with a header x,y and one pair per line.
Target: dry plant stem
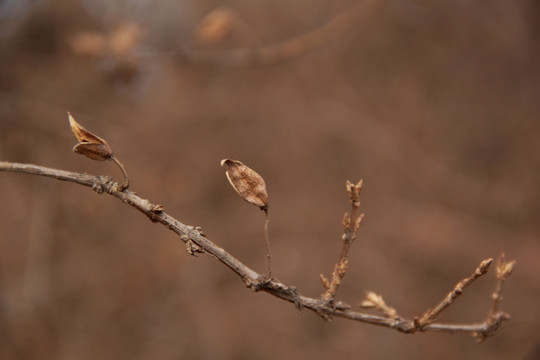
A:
x,y
291,48
267,240
125,185
352,224
252,279
431,315
504,269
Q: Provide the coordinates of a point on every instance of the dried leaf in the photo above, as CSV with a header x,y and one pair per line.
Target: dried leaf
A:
x,y
247,183
90,145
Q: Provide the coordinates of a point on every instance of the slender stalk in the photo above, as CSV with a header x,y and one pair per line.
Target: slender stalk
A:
x,y
288,49
431,315
125,185
267,239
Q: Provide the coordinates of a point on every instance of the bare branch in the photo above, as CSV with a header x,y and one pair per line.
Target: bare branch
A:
x,y
291,48
197,242
351,223
431,315
503,270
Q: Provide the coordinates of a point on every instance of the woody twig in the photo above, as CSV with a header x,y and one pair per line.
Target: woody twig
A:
x,y
197,242
502,272
351,223
431,315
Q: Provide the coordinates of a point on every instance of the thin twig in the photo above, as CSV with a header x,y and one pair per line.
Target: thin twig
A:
x,y
125,185
267,240
431,315
198,242
351,223
503,270
288,49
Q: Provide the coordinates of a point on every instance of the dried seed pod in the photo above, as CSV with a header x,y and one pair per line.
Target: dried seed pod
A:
x,y
247,183
89,144
94,147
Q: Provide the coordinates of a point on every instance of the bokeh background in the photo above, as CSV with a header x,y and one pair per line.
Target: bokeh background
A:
x,y
434,104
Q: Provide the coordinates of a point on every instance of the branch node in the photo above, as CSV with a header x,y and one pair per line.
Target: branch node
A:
x,y
200,230
192,248
325,316
340,305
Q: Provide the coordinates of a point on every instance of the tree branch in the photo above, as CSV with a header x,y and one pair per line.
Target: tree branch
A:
x,y
196,242
288,49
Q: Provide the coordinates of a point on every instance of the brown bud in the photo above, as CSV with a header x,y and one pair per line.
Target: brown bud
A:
x,y
354,192
346,220
505,268
247,183
324,281
89,144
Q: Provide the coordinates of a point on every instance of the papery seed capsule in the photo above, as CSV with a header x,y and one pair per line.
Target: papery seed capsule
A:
x,y
247,183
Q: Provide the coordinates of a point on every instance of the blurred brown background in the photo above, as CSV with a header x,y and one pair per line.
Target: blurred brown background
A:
x,y
434,104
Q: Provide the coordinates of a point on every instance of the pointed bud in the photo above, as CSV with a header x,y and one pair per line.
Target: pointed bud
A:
x,y
346,221
324,281
505,268
358,222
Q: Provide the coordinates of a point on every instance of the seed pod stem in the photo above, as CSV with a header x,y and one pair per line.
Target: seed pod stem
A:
x,y
125,185
252,188
267,239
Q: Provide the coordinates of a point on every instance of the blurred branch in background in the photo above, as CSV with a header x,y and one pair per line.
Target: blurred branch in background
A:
x,y
325,306
218,23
